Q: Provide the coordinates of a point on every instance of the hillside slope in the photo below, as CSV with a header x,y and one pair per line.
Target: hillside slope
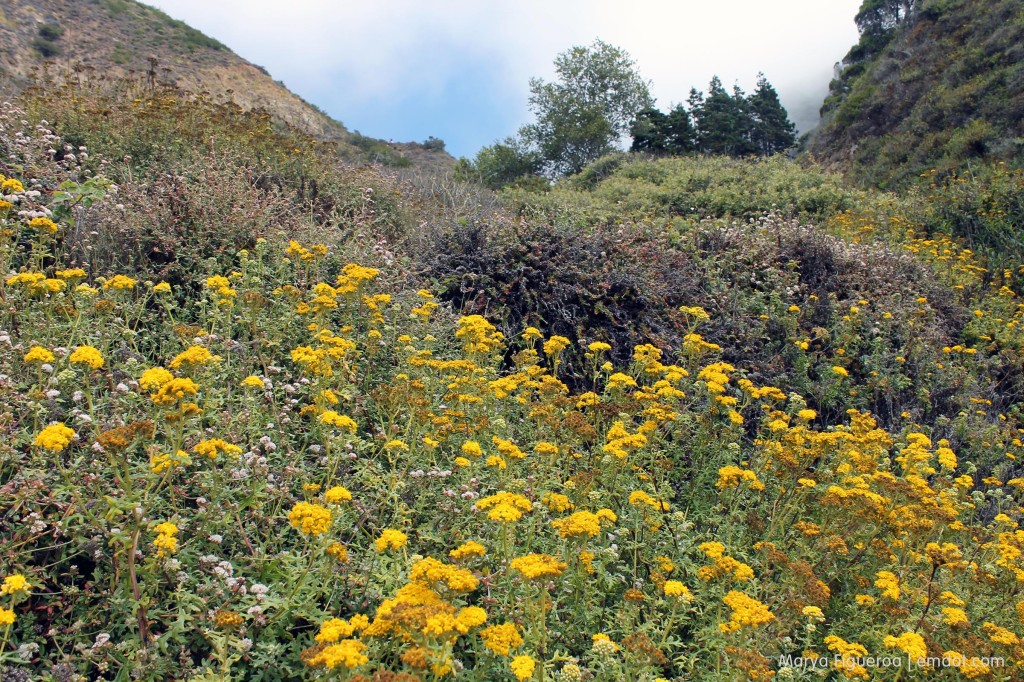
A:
x,y
931,89
101,40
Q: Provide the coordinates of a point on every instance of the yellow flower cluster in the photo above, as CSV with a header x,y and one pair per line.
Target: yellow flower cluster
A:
x,y
168,388
639,498
154,378
252,381
353,276
557,502
619,382
434,573
166,541
468,549
501,639
534,566
310,519
746,612
55,437
39,354
732,476
479,335
522,667
337,495
87,355
163,462
505,507
583,523
295,249
120,283
696,312
716,377
332,418
911,643
695,345
11,186
14,584
555,345
674,588
335,629
193,356
350,653
390,539
216,446
43,224
620,442
888,584
848,655
723,564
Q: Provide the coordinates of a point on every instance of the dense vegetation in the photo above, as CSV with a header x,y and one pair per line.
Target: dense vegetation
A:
x,y
268,417
931,86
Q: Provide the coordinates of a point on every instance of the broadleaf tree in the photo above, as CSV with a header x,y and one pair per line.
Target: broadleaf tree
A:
x,y
583,114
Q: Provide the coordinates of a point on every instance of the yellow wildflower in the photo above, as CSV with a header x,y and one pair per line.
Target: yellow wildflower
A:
x,y
555,345
154,378
620,381
87,355
55,437
522,667
12,186
911,643
194,355
746,612
505,507
214,446
349,653
674,588
467,549
390,538
38,354
471,448
582,523
15,583
337,495
310,519
501,639
888,584
166,543
162,462
332,418
43,224
120,282
253,381
538,566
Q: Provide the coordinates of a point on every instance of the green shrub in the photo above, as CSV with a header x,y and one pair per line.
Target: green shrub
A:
x,y
51,32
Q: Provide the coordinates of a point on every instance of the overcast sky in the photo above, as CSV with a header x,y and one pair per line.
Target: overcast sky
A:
x,y
459,69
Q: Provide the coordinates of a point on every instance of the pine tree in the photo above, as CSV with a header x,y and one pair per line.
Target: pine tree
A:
x,y
721,122
771,130
679,135
657,133
648,132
